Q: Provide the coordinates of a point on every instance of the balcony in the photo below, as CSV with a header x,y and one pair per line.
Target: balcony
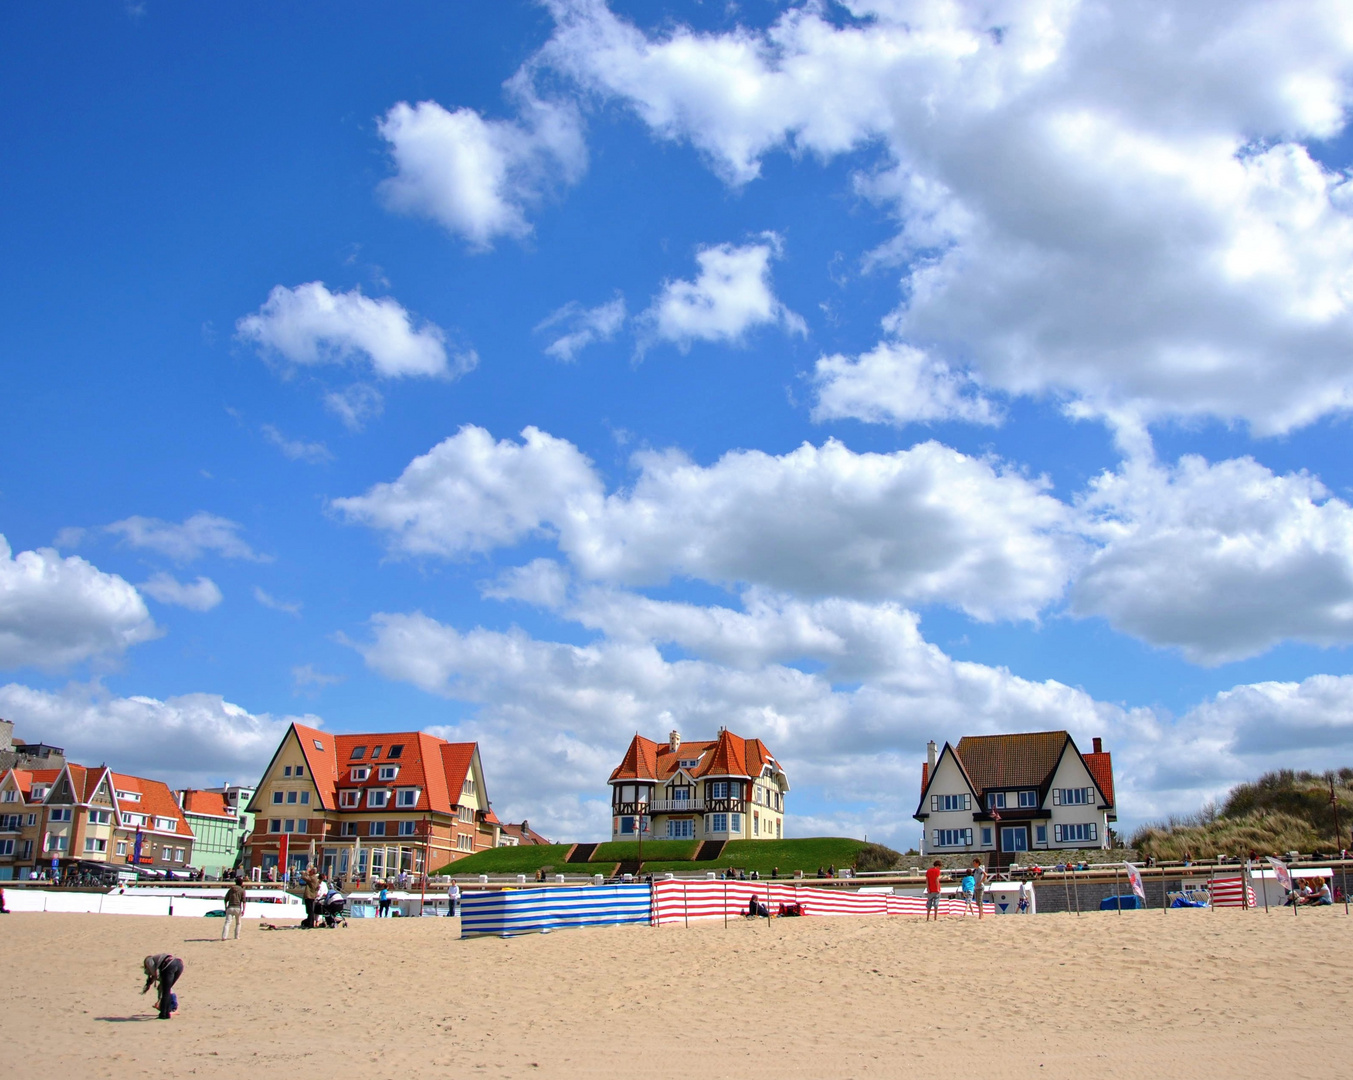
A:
x,y
682,806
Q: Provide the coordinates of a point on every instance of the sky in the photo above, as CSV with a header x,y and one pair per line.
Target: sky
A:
x,y
846,374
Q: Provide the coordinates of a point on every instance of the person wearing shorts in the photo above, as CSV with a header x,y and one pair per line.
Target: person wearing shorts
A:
x,y
932,890
979,883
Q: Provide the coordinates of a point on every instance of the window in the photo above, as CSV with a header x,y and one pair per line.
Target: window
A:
x,y
777,829
178,854
305,798
467,788
348,799
395,751
128,796
286,771
735,823
318,745
1073,796
387,772
289,825
953,837
94,844
10,796
300,770
276,797
10,822
681,830
756,823
690,762
56,843
291,796
60,813
99,817
165,823
122,848
986,837
627,826
1069,834
950,802
718,789
716,823
358,752
465,813
408,828
376,828
377,800
134,819
41,793
995,800
358,775
32,820
1028,800
375,752
349,828
6,847
275,825
465,843
406,796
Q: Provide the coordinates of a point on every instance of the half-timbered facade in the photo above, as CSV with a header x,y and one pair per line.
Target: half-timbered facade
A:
x,y
728,788
1013,794
370,806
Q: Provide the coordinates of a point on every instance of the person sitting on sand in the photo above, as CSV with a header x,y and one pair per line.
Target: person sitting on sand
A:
x,y
1324,896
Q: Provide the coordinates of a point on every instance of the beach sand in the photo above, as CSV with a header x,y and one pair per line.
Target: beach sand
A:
x,y
1141,994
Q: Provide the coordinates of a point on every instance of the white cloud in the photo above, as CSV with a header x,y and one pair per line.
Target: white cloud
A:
x,y
193,739
731,294
477,178
311,325
1113,205
195,537
200,595
897,384
542,582
355,405
287,607
924,525
1220,560
306,678
312,453
56,612
585,326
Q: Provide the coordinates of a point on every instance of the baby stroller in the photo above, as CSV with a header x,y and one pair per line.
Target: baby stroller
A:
x,y
329,910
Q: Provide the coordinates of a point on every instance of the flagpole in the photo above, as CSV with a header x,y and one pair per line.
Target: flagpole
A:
x,y
1117,896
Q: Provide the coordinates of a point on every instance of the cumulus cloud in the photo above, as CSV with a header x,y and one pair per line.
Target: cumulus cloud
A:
x,y
1113,206
199,595
730,295
192,740
897,384
312,453
582,327
477,178
924,525
311,325
1220,560
56,612
542,582
193,538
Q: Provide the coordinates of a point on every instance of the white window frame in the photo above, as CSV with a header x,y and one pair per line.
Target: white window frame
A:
x,y
995,800
387,772
274,825
359,774
166,824
1083,796
277,798
377,798
734,824
375,828
407,797
986,835
408,828
1086,832
950,804
59,813
683,829
349,799
952,838
293,797
718,823
10,796
6,847
1028,800
349,828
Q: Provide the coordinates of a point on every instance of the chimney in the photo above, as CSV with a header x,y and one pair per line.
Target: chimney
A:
x,y
674,740
1099,745
930,751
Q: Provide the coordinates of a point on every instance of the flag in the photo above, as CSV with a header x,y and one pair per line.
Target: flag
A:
x,y
282,846
136,848
1281,872
1134,877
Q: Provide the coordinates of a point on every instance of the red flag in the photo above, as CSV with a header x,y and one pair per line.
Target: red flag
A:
x,y
282,846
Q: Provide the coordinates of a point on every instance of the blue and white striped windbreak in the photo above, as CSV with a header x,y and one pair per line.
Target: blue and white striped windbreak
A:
x,y
529,911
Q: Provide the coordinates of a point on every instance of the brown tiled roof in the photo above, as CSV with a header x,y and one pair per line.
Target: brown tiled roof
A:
x,y
525,834
1021,760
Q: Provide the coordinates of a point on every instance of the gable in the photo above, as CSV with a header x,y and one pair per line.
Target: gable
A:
x,y
948,778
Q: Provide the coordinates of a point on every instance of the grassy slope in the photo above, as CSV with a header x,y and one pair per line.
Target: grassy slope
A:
x,y
513,860
763,855
623,850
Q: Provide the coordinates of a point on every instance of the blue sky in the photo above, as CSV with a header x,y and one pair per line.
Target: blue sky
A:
x,y
847,374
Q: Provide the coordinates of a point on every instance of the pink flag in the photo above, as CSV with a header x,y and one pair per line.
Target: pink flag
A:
x,y
1135,880
1281,872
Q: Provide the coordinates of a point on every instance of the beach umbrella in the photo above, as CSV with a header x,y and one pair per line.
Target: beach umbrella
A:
x,y
311,863
356,855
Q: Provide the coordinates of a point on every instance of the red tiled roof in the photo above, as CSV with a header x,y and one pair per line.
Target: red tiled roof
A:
x,y
157,801
206,803
728,755
35,776
1101,768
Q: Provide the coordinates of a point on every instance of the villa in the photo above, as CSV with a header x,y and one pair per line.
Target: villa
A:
x,y
1012,794
729,788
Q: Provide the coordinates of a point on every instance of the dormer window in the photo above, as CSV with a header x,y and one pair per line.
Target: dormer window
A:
x,y
358,775
358,752
349,799
690,762
388,772
377,800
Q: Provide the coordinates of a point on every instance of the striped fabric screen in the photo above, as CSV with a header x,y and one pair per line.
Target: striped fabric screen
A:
x,y
677,901
529,911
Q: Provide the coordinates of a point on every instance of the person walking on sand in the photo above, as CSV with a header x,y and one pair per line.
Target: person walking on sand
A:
x,y
932,890
163,971
979,884
384,912
453,899
234,905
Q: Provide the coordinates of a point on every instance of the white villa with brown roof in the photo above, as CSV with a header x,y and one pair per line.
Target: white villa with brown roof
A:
x,y
728,788
1012,794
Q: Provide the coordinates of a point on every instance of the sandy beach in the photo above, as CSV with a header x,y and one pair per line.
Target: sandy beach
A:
x,y
1100,995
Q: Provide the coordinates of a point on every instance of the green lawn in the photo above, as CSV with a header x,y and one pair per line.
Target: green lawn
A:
x,y
625,850
514,860
763,855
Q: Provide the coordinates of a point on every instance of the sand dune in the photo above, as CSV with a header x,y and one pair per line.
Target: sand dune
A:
x,y
1101,995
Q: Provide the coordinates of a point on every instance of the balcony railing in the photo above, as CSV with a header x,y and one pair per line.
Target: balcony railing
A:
x,y
682,806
